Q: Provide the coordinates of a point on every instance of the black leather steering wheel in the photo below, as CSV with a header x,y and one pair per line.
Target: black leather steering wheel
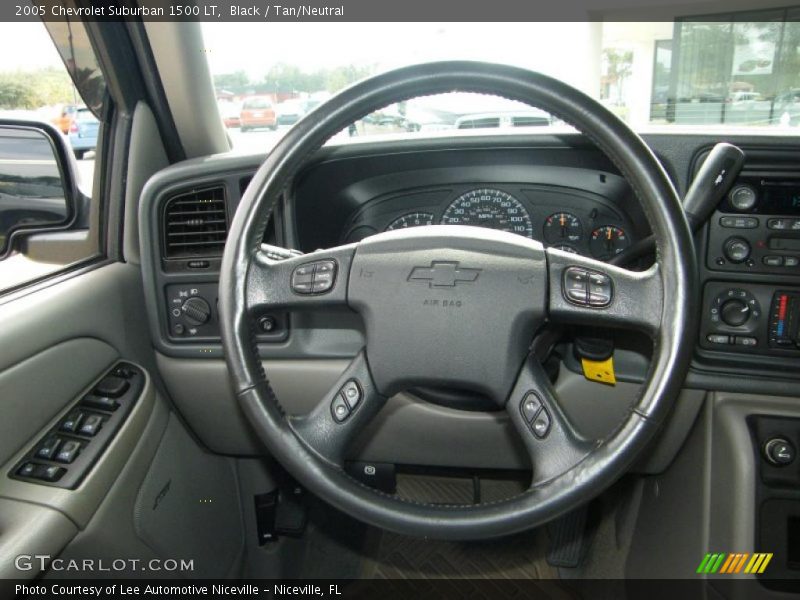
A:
x,y
458,306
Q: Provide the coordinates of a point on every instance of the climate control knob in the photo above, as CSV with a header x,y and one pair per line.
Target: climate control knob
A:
x,y
736,249
734,313
196,310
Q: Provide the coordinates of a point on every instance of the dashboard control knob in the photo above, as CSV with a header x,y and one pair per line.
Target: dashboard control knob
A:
x,y
779,452
196,310
736,249
743,197
734,313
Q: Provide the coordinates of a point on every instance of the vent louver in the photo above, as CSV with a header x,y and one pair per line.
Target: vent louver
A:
x,y
196,223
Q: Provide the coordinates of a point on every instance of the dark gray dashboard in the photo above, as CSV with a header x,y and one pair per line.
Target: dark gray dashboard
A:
x,y
347,192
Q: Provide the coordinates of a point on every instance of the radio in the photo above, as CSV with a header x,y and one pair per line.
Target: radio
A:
x,y
756,228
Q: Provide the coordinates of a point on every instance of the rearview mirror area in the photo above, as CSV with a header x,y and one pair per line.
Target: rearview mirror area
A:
x,y
36,188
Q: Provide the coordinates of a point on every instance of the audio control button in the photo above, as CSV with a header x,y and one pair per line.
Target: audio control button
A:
x,y
736,249
738,222
773,261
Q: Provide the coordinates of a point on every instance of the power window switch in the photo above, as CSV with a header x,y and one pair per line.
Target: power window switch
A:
x,y
100,403
91,425
27,470
72,422
50,472
69,452
48,448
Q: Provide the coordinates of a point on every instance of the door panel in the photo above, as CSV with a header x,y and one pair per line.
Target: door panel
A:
x,y
55,345
34,391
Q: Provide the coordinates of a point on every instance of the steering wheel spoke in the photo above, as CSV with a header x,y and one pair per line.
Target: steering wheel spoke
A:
x,y
553,444
281,279
585,291
345,410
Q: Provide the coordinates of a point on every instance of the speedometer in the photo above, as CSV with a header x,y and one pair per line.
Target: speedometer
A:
x,y
489,208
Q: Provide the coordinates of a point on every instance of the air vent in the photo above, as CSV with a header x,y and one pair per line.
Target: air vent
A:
x,y
196,223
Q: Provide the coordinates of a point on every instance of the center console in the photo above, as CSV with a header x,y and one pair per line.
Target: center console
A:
x,y
751,300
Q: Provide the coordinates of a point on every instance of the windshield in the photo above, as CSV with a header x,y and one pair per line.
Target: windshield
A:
x,y
726,72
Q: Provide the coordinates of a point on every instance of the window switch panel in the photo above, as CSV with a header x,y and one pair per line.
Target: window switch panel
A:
x,y
63,456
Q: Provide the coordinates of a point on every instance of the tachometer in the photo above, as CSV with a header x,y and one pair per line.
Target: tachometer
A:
x,y
562,227
489,208
607,241
417,219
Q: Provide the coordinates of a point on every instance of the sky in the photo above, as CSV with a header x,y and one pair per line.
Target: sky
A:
x,y
39,50
558,49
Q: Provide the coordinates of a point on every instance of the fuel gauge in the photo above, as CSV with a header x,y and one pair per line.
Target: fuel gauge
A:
x,y
562,227
607,241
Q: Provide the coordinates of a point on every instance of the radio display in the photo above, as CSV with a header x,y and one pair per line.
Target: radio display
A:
x,y
780,199
772,196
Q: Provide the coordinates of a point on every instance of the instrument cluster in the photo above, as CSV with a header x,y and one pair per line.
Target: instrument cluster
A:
x,y
571,220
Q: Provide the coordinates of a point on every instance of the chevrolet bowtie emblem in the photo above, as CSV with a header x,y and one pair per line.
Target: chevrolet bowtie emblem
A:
x,y
443,274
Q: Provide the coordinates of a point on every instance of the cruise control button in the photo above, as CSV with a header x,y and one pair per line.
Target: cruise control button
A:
x,y
69,452
576,285
541,424
351,393
48,448
324,276
303,279
340,408
530,406
599,289
326,266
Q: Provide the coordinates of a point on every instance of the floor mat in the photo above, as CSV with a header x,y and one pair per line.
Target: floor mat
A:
x,y
401,557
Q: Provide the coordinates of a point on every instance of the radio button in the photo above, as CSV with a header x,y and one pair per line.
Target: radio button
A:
x,y
773,261
779,224
738,222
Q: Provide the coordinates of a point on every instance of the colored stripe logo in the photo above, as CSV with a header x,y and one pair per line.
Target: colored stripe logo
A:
x,y
731,563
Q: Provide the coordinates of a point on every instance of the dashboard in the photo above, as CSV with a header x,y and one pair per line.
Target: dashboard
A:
x,y
559,190
572,220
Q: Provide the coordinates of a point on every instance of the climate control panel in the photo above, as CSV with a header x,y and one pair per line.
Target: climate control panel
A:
x,y
751,318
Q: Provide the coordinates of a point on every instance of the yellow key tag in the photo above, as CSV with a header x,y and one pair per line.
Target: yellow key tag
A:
x,y
599,370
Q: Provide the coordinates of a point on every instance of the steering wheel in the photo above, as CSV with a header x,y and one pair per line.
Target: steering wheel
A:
x,y
454,306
